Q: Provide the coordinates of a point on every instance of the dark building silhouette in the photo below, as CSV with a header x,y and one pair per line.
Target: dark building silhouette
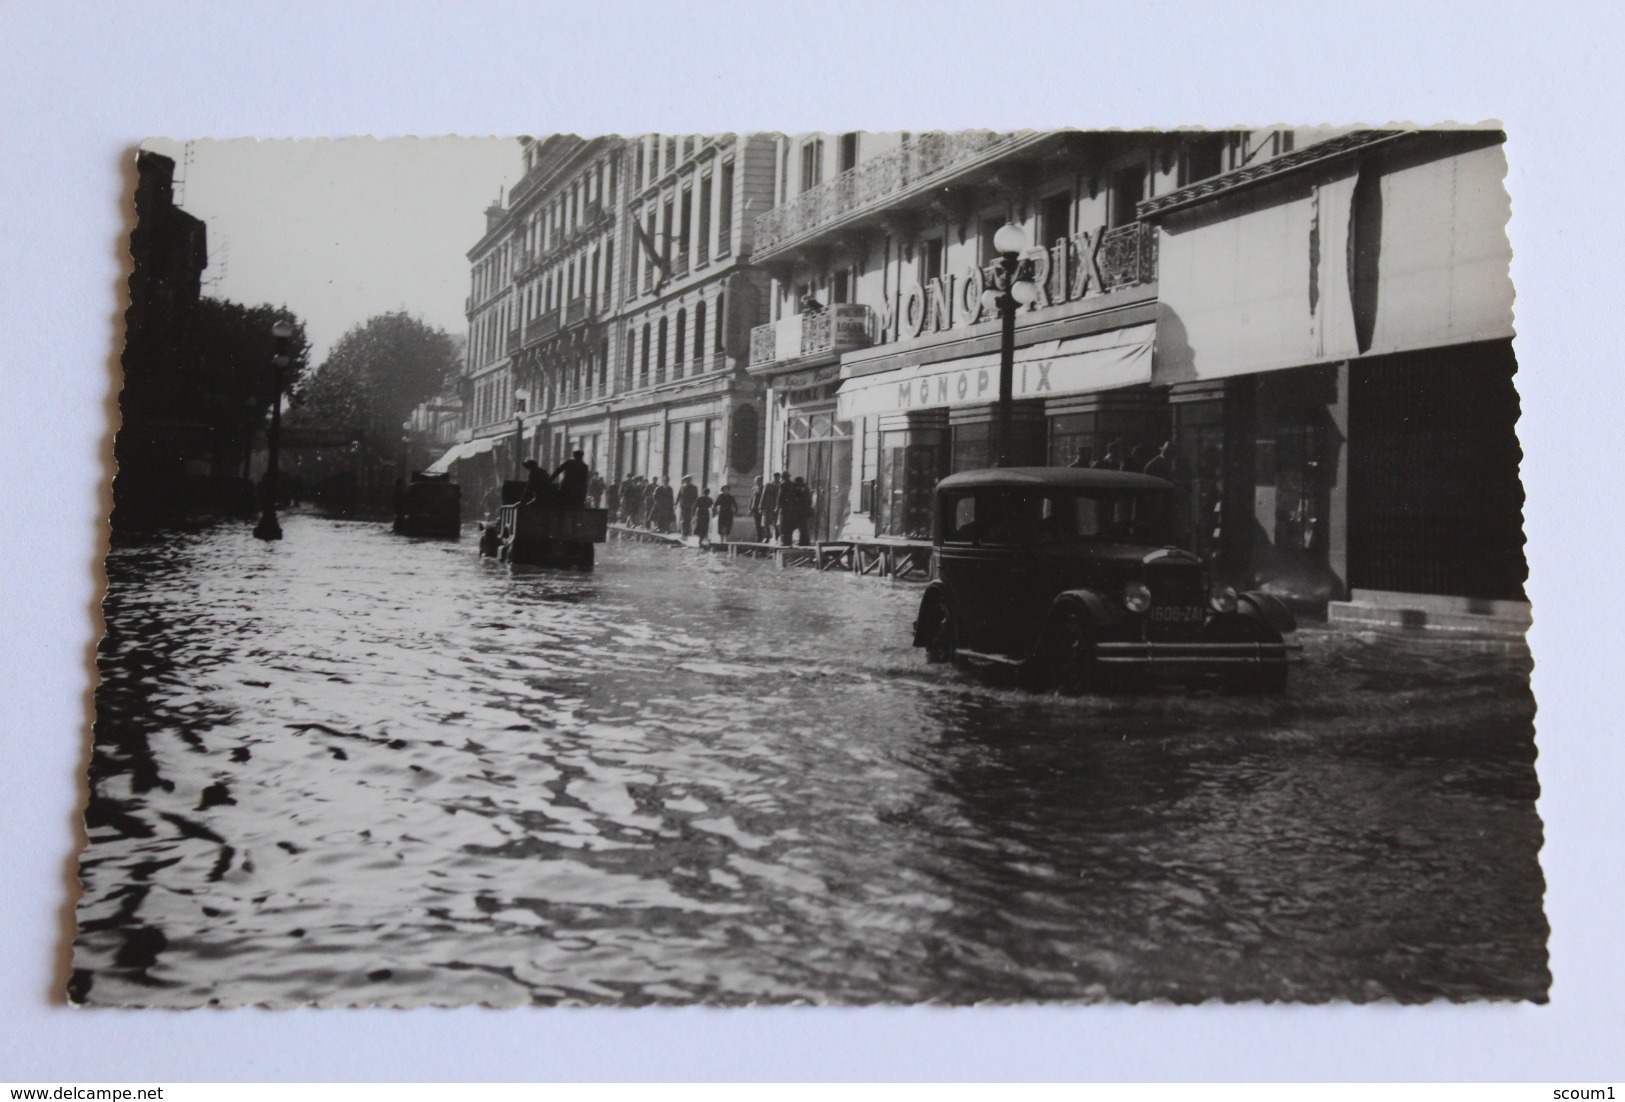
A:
x,y
164,442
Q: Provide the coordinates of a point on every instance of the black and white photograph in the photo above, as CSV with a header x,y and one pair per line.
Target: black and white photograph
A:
x,y
946,566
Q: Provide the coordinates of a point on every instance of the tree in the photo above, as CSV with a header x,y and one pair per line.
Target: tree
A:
x,y
371,381
234,384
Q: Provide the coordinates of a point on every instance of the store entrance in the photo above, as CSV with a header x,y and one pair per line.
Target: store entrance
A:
x,y
1435,502
819,449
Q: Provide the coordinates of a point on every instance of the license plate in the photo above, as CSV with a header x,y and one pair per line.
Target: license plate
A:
x,y
1177,614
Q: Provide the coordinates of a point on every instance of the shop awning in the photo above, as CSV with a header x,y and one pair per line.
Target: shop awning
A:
x,y
465,450
1078,365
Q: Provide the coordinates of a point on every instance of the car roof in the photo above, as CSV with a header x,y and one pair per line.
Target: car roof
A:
x,y
1071,478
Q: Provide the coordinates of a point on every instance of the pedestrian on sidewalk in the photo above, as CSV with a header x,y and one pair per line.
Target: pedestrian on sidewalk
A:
x,y
726,509
756,507
686,495
702,515
612,499
770,510
795,509
665,512
595,489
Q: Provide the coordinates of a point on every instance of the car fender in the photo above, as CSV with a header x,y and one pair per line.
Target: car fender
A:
x,y
1100,611
936,591
1271,610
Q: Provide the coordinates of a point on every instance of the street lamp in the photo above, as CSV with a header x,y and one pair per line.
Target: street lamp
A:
x,y
1011,294
521,399
268,528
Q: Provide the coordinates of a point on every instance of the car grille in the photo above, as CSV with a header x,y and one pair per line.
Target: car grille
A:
x,y
1178,604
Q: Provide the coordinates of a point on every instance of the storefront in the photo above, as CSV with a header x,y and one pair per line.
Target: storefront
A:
x,y
1335,337
1082,395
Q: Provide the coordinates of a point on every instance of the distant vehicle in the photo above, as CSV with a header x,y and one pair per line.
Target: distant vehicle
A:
x,y
430,505
551,535
1070,576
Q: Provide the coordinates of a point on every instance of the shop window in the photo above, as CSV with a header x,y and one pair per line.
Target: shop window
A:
x,y
905,483
971,447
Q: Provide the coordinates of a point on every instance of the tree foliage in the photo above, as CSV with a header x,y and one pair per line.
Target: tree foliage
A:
x,y
234,349
374,376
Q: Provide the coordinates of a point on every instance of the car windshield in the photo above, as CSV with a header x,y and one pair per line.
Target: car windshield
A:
x,y
1021,515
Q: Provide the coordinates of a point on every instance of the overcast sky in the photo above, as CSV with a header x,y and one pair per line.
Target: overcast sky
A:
x,y
342,230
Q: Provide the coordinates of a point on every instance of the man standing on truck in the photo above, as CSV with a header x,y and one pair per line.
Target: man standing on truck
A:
x,y
572,478
538,490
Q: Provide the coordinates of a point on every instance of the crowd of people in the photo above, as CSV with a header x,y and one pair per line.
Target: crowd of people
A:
x,y
779,510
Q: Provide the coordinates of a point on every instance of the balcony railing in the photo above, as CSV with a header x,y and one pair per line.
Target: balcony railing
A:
x,y
839,328
1128,255
576,311
873,182
545,326
762,345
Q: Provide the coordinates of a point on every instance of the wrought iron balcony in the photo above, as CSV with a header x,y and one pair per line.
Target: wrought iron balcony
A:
x,y
545,326
839,328
875,182
1128,255
762,345
576,311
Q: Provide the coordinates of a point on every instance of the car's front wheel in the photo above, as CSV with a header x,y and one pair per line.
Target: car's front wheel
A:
x,y
1066,658
940,631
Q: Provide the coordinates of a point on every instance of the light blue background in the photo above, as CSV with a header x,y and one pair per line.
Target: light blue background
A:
x,y
80,83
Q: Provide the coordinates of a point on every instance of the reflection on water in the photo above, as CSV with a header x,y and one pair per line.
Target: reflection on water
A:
x,y
350,769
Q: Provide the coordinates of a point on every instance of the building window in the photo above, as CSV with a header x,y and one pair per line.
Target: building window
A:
x,y
848,156
930,260
678,344
671,156
812,164
720,343
638,173
699,336
1055,218
1202,157
660,355
631,358
1128,189
686,221
841,289
725,211
704,233
643,372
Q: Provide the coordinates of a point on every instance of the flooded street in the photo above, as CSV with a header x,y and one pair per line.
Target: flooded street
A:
x,y
351,768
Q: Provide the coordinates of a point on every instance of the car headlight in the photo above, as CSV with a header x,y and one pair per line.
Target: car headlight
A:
x,y
1136,597
1222,598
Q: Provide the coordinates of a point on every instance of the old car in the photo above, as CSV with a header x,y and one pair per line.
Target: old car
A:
x,y
430,505
1071,578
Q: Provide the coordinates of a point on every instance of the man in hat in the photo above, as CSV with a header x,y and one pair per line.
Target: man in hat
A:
x,y
687,495
538,488
573,476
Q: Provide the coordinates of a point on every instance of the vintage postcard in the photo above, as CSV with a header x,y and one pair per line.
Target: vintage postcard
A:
x,y
852,568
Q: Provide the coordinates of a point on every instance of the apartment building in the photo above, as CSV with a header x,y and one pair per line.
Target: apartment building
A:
x,y
1307,331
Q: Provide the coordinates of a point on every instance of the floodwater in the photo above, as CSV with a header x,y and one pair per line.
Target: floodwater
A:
x,y
350,768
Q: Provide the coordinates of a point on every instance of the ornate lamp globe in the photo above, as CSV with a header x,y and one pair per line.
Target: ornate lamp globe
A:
x,y
1009,239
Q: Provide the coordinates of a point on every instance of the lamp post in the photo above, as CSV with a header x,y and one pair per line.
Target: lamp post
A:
x,y
521,399
1010,295
268,528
